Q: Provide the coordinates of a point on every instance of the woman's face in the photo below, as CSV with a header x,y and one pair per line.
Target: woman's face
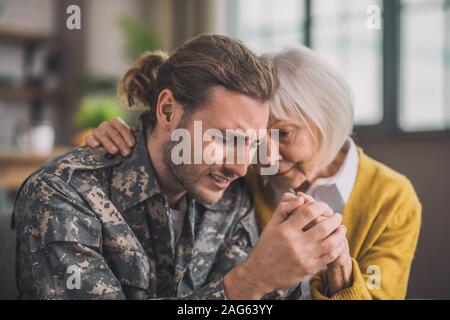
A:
x,y
299,148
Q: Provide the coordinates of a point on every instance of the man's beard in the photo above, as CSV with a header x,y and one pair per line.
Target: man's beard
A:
x,y
185,175
189,175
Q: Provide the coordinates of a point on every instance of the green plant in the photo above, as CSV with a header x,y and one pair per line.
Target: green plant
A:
x,y
138,38
94,109
99,103
96,84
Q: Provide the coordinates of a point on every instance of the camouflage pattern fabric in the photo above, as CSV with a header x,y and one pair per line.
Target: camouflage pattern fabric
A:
x,y
95,226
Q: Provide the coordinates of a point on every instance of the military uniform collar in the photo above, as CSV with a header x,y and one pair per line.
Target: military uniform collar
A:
x,y
134,179
218,206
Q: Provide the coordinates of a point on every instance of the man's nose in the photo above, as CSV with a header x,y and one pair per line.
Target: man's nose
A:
x,y
240,163
239,170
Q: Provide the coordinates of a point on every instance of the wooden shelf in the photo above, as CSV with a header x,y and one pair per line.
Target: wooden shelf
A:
x,y
17,166
24,36
26,92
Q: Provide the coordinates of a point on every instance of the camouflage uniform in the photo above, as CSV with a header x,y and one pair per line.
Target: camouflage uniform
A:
x,y
104,219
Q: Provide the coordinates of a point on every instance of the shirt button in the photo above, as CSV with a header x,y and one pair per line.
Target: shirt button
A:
x,y
109,156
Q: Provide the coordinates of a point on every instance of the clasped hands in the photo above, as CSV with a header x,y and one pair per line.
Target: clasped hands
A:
x,y
302,237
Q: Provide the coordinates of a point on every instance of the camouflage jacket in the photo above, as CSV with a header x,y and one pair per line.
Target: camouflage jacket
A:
x,y
94,226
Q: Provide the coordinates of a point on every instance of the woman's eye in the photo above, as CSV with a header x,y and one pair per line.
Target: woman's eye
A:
x,y
284,133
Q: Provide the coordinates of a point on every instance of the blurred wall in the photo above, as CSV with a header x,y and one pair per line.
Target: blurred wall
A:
x,y
425,160
173,21
104,41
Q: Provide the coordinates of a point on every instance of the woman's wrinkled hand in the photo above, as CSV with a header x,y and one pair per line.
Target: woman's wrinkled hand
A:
x,y
114,135
340,272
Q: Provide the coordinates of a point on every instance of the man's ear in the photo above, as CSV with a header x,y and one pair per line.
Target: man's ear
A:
x,y
165,109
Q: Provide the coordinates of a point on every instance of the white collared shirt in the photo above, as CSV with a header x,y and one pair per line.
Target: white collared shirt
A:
x,y
335,191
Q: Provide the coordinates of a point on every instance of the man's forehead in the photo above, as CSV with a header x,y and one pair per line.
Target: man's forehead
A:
x,y
235,118
231,124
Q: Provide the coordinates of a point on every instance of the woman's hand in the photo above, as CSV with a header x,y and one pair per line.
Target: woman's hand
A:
x,y
339,272
114,135
286,252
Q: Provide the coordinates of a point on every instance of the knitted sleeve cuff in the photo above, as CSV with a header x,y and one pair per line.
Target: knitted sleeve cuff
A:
x,y
358,290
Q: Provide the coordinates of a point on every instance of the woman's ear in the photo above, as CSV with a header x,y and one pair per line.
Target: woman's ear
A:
x,y
165,109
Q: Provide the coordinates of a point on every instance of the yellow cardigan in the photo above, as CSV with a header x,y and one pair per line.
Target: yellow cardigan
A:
x,y
382,216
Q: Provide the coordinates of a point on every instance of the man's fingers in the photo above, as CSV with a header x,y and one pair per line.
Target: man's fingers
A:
x,y
333,241
331,256
124,131
308,198
92,142
316,221
285,208
287,197
307,214
324,228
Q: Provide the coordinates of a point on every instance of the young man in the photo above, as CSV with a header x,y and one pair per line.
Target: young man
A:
x,y
94,226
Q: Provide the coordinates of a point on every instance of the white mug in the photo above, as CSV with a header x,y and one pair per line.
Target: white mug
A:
x,y
39,139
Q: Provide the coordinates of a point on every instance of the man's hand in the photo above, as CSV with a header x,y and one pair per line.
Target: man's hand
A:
x,y
287,251
114,136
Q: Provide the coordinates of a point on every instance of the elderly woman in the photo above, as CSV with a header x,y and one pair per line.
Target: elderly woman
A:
x,y
313,111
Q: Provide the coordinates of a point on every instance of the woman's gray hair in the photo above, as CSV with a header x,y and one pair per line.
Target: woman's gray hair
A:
x,y
312,89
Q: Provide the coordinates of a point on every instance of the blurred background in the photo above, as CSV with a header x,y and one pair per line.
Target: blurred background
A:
x,y
58,80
